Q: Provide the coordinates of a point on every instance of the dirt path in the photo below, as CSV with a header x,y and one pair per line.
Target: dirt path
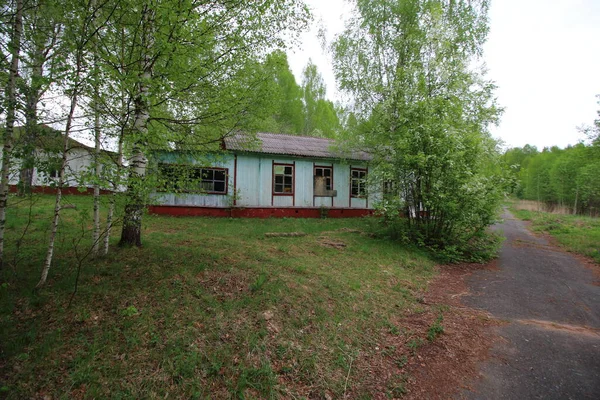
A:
x,y
551,301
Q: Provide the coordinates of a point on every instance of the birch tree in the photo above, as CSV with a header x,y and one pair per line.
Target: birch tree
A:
x,y
10,108
282,97
424,111
81,29
40,64
320,115
190,77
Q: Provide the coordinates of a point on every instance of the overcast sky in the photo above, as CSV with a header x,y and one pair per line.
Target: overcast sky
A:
x,y
544,56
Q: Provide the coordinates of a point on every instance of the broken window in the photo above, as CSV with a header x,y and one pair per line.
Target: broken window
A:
x,y
323,181
358,182
211,180
190,179
283,179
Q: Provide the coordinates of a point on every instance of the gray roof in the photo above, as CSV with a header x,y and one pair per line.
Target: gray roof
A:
x,y
302,146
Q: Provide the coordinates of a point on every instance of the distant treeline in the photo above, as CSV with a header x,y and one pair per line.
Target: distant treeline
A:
x,y
563,177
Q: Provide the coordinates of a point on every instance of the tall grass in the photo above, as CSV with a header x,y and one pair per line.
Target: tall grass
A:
x,y
577,233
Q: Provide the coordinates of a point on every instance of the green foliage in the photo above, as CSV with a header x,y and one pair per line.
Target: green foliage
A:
x,y
423,112
293,109
559,177
480,248
284,110
321,117
129,311
414,344
436,329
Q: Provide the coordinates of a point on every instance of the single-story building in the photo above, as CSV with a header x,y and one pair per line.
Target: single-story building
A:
x,y
266,175
48,148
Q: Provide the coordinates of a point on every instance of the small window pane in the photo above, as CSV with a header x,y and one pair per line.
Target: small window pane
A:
x,y
327,172
219,175
319,172
283,179
219,187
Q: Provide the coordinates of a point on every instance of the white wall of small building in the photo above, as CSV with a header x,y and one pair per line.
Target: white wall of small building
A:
x,y
79,161
254,183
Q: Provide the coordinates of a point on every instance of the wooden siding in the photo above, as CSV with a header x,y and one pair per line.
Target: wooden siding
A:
x,y
254,184
195,199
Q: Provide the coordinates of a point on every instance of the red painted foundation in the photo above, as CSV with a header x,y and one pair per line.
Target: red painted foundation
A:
x,y
71,190
259,212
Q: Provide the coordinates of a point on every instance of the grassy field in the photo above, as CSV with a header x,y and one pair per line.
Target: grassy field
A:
x,y
208,308
576,233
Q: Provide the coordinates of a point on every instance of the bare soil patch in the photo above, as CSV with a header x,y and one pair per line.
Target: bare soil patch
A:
x,y
328,242
409,365
225,284
450,361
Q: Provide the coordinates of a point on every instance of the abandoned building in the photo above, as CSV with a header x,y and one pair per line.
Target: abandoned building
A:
x,y
266,175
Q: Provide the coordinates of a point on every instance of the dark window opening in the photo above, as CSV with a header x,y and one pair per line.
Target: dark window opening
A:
x,y
283,179
189,179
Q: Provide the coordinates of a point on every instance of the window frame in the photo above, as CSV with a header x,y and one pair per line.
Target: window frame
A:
x,y
323,167
293,175
199,190
213,181
362,182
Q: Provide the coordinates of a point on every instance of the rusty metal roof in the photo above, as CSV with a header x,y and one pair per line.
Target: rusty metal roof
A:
x,y
302,146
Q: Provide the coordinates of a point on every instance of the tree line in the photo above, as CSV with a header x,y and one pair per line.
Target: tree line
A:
x,y
298,109
567,177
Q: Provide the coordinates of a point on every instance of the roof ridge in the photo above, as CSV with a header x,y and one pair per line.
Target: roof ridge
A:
x,y
295,136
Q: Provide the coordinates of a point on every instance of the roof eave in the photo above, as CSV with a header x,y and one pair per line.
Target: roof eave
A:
x,y
298,155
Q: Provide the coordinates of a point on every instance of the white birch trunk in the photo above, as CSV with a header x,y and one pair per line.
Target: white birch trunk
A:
x,y
61,176
61,180
132,219
111,208
96,231
11,99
